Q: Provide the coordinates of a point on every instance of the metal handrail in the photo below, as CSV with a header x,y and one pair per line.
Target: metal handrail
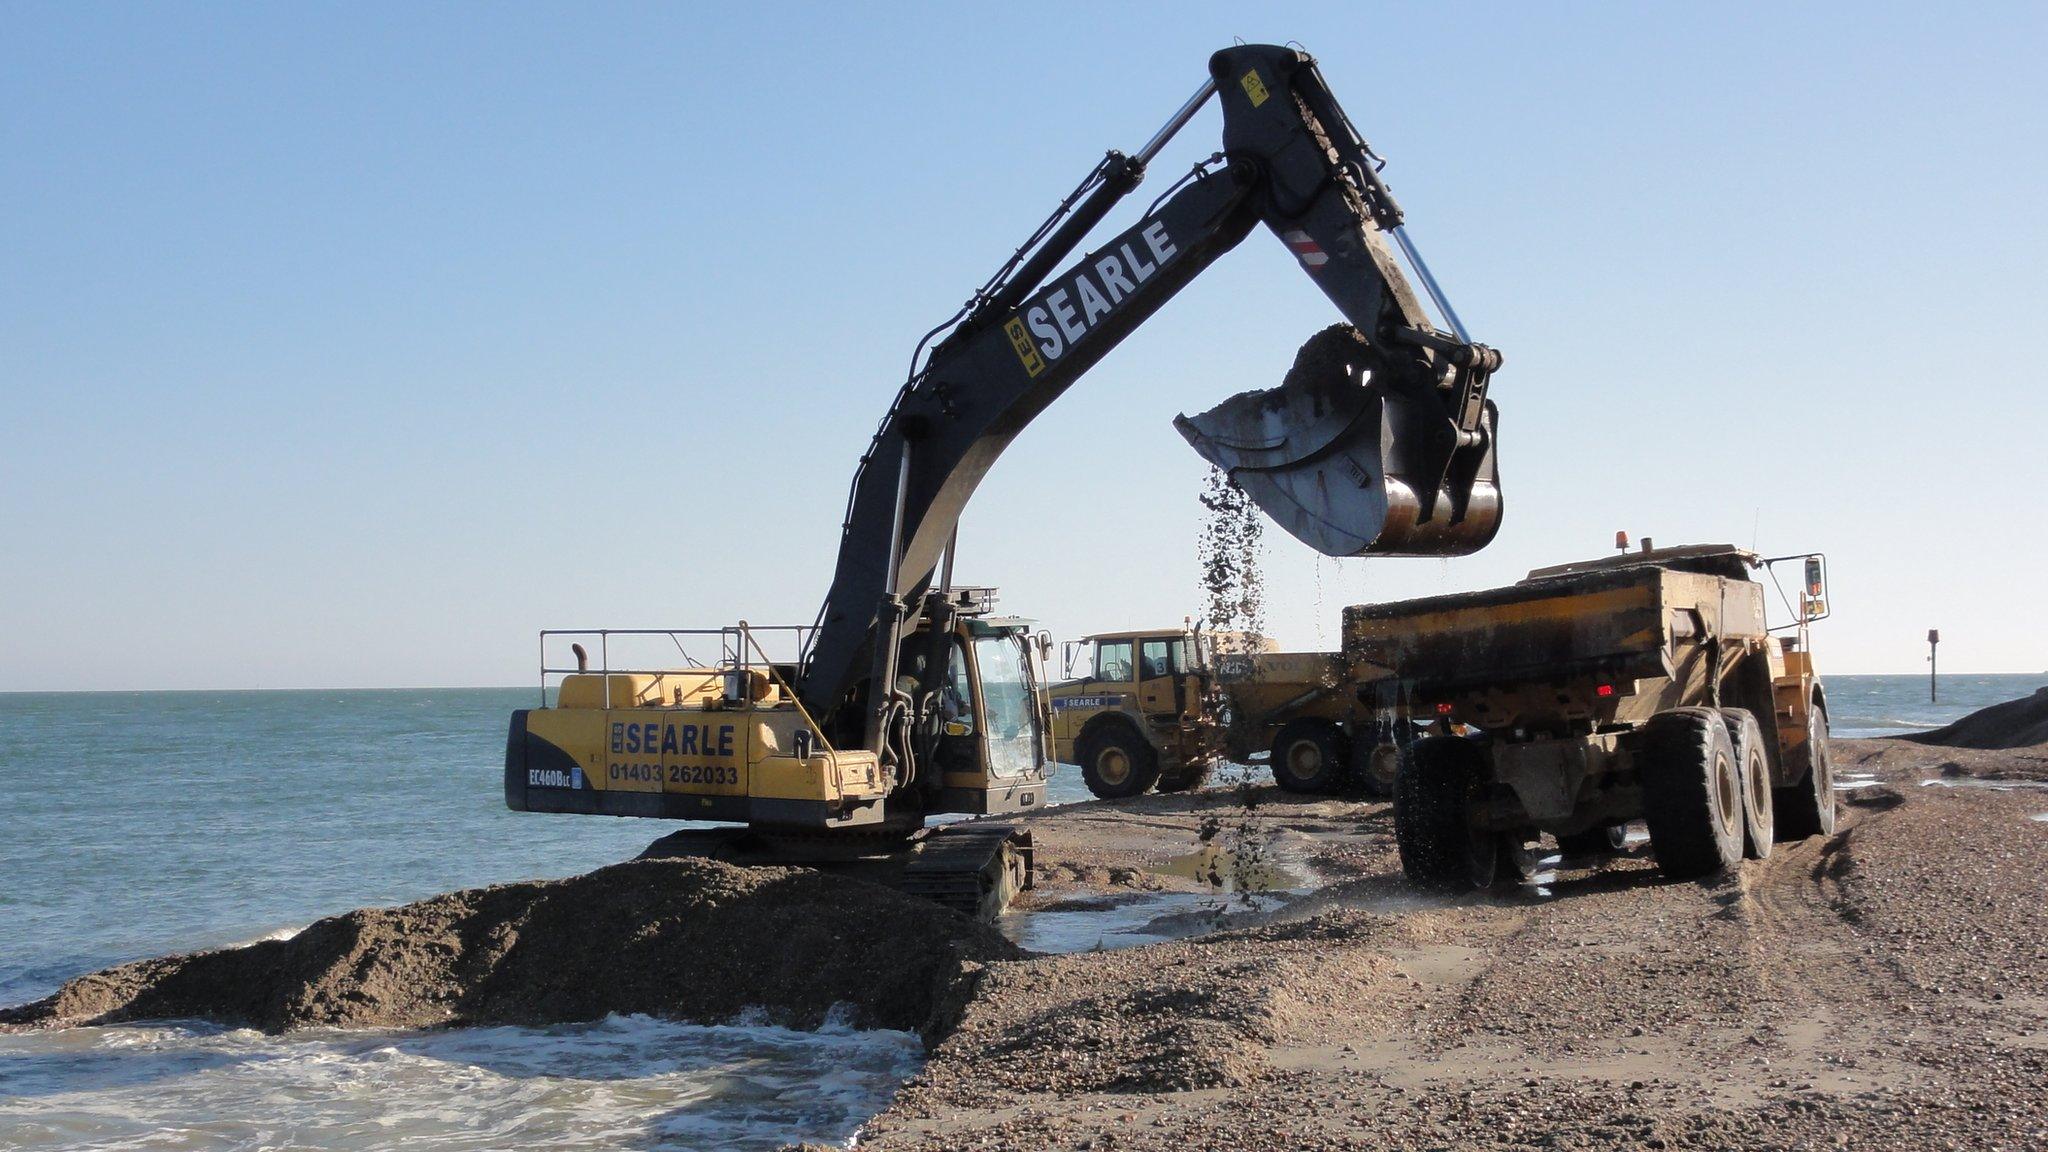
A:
x,y
733,654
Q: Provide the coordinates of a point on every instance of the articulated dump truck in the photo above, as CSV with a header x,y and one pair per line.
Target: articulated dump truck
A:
x,y
1641,686
1164,707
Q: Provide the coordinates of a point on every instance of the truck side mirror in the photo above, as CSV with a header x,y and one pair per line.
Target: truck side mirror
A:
x,y
1044,645
1816,591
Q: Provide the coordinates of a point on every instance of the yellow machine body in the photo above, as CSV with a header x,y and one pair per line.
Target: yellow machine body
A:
x,y
731,744
673,745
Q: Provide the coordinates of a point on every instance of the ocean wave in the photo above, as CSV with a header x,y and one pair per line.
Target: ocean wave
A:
x,y
625,1080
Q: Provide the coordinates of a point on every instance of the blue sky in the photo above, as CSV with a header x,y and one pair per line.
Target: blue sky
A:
x,y
352,346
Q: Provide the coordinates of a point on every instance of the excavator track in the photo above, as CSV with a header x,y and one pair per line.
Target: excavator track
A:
x,y
974,869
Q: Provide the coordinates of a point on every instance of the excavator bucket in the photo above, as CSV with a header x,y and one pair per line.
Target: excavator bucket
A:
x,y
1352,466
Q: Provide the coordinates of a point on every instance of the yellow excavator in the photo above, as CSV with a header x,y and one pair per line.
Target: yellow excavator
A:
x,y
909,697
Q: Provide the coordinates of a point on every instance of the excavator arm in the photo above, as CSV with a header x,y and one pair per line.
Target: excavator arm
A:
x,y
1383,442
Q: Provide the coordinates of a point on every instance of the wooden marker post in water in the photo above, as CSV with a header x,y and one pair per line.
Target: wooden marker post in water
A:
x,y
1933,638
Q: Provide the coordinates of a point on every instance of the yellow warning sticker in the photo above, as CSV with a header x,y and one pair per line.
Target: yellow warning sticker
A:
x,y
1254,87
1026,350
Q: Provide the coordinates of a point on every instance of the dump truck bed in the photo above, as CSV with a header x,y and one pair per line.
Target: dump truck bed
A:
x,y
1631,638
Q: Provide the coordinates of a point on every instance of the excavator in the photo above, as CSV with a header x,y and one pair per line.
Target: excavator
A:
x,y
909,698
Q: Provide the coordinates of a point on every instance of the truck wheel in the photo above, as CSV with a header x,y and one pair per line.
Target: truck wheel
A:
x,y
1747,738
1692,793
1188,778
1116,762
1439,779
1308,756
1807,808
1517,859
1598,841
1376,770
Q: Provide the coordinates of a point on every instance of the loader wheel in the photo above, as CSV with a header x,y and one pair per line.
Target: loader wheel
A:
x,y
1807,808
1439,779
1603,840
1747,738
1692,793
1116,762
1188,778
1309,756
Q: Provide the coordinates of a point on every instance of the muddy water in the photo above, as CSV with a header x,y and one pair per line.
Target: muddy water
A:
x,y
1224,871
1241,888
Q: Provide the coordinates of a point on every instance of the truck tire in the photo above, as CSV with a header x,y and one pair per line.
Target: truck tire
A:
x,y
1188,777
1807,807
1598,841
1746,736
1692,793
1434,788
1116,761
1309,756
1375,771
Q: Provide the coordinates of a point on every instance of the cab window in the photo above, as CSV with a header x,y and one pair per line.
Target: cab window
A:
x,y
1113,660
1153,660
1180,657
957,691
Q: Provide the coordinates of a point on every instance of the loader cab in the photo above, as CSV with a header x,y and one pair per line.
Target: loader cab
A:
x,y
1150,677
1153,667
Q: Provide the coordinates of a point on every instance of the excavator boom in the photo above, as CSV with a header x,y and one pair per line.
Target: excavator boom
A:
x,y
1382,441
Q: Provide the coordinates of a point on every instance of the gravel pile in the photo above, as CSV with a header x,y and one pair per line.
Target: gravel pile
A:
x,y
681,939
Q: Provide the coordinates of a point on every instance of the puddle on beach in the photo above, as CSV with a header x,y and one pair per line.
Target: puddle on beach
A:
x,y
1227,871
1240,888
1089,925
1992,785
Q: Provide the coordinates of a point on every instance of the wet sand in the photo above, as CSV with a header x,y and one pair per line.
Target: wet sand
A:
x,y
1885,987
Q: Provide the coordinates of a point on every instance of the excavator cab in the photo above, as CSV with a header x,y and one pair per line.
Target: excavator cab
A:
x,y
984,713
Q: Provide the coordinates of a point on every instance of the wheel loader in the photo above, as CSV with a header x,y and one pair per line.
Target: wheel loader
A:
x,y
907,698
1643,686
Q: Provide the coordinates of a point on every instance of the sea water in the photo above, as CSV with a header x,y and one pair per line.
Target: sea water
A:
x,y
135,824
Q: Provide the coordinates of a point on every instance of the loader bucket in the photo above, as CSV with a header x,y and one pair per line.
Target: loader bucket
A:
x,y
1351,467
